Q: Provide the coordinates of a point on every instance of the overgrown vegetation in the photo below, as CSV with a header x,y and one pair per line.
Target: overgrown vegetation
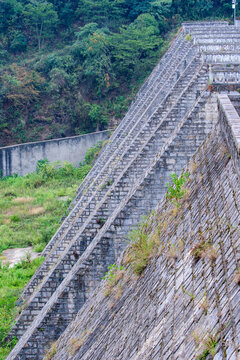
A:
x,y
112,277
69,68
32,207
145,238
176,190
12,281
141,244
203,248
207,343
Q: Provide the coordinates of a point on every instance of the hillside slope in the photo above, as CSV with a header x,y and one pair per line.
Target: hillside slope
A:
x,y
71,67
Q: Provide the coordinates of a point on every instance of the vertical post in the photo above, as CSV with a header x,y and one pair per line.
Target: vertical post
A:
x,y
234,11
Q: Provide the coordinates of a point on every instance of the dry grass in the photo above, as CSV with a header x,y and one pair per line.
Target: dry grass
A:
x,y
172,252
23,200
193,166
76,343
204,303
237,277
6,221
51,352
36,211
204,249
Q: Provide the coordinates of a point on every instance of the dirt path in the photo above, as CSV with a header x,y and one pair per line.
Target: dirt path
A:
x,y
13,256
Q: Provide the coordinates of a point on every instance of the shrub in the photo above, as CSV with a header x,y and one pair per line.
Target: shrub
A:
x,y
19,43
176,191
141,245
15,218
92,153
188,37
203,249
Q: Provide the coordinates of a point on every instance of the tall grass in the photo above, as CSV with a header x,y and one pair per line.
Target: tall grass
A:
x,y
31,209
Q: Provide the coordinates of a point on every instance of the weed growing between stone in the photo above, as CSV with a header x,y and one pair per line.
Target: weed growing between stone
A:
x,y
145,239
207,344
51,352
141,245
188,37
203,249
112,277
176,190
76,343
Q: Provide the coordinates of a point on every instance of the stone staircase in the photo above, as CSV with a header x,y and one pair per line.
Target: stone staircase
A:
x,y
164,126
121,143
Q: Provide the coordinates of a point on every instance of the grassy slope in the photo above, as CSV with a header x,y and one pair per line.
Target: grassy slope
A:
x,y
32,206
31,209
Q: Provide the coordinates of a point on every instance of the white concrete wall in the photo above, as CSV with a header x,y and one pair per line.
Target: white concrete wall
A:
x,y
22,159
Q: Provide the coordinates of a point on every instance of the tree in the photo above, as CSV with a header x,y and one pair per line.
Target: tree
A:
x,y
134,48
10,12
161,10
103,12
192,9
66,10
92,51
42,18
97,117
23,87
137,7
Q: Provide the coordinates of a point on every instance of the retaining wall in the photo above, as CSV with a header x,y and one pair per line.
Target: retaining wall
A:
x,y
22,159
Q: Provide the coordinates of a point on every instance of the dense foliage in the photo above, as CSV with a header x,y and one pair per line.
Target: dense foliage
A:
x,y
70,67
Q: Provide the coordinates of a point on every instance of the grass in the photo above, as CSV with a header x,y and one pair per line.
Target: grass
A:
x,y
141,245
31,209
203,249
12,281
51,352
32,206
207,343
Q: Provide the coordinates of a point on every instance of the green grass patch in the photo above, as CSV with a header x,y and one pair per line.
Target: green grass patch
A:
x,y
12,281
31,209
32,206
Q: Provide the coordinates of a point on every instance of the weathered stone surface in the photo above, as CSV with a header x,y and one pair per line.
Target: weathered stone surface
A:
x,y
158,314
22,159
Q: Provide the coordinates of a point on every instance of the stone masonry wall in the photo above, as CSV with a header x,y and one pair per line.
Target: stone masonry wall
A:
x,y
178,299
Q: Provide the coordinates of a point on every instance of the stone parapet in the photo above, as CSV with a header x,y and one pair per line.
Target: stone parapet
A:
x,y
230,124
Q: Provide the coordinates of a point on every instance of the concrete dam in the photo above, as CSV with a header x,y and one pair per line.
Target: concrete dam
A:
x,y
184,118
